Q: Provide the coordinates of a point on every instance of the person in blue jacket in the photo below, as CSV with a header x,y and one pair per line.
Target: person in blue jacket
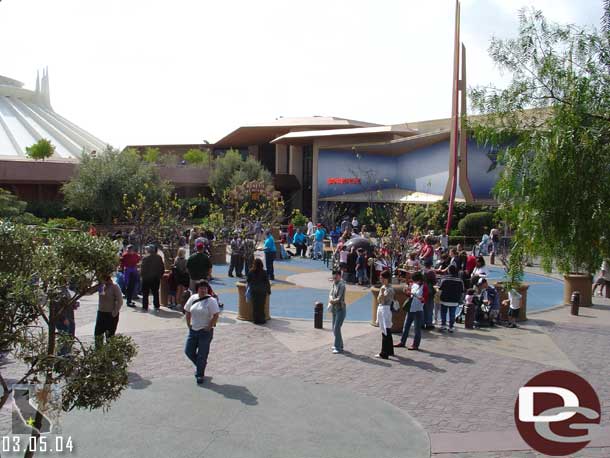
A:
x,y
269,249
300,242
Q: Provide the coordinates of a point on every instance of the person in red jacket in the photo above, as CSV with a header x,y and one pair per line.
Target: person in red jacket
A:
x,y
129,264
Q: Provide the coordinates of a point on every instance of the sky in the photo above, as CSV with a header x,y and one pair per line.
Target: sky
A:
x,y
184,71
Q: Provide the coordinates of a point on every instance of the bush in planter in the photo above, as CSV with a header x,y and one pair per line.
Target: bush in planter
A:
x,y
475,224
551,128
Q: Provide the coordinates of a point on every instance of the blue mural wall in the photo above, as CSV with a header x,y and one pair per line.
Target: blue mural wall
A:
x,y
423,170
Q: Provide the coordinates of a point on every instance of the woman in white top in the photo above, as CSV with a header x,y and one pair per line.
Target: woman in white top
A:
x,y
385,298
480,271
202,313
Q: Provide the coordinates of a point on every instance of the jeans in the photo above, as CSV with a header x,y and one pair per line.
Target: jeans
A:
x,y
338,318
131,281
150,285
269,258
66,330
416,317
451,310
317,249
197,349
428,311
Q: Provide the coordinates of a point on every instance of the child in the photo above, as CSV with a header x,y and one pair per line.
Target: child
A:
x,y
469,298
412,263
361,267
514,302
172,287
343,254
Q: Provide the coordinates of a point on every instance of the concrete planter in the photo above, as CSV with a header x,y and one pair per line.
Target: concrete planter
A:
x,y
219,253
581,283
244,307
398,318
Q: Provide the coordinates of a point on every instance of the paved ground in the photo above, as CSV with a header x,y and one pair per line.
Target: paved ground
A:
x,y
458,385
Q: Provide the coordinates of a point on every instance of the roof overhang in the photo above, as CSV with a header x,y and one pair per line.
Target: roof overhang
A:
x,y
388,196
302,137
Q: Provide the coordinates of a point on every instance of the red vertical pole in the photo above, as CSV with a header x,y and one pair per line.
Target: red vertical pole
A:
x,y
454,118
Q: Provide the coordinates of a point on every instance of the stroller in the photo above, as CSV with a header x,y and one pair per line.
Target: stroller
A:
x,y
484,315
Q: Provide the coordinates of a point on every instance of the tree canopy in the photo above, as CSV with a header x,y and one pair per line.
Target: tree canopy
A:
x,y
231,170
552,126
101,182
41,150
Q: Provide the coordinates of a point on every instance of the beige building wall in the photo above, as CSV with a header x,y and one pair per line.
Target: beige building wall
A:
x,y
296,168
281,158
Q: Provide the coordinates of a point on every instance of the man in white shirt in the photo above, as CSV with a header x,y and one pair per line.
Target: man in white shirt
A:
x,y
514,299
202,314
310,229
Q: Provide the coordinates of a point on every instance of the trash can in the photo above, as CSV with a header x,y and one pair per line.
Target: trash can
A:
x,y
318,315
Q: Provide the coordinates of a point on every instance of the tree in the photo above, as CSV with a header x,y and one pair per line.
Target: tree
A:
x,y
34,273
151,155
41,150
552,125
232,170
195,156
101,182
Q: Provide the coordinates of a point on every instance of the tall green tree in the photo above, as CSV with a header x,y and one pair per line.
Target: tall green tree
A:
x,y
552,126
101,183
195,156
232,170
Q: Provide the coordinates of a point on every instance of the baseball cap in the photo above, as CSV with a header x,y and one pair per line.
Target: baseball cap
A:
x,y
481,281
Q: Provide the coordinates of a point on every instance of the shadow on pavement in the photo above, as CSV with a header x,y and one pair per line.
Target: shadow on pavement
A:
x,y
279,325
237,392
366,359
137,382
455,359
419,364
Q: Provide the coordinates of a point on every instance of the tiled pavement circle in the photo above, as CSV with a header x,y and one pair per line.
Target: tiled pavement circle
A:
x,y
461,383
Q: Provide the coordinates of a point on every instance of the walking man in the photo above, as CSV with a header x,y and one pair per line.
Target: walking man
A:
x,y
336,305
129,264
198,266
109,305
152,270
270,253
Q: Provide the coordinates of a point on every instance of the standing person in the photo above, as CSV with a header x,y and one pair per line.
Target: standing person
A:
x,y
318,242
345,225
310,228
64,318
129,264
110,301
427,251
152,269
300,242
259,286
241,252
603,281
430,281
514,306
452,290
494,234
270,252
444,240
361,267
419,293
199,267
290,234
234,245
181,275
385,298
355,225
258,229
202,314
336,305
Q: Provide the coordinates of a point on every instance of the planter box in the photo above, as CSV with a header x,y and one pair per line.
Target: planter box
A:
x,y
582,283
398,318
219,253
504,296
244,307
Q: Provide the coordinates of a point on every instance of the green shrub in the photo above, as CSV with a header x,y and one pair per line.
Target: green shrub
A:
x,y
67,223
475,224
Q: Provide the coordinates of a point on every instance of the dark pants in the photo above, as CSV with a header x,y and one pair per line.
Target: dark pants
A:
x,y
412,317
197,349
66,330
429,311
258,307
448,310
301,249
237,264
269,258
105,325
150,285
387,344
131,280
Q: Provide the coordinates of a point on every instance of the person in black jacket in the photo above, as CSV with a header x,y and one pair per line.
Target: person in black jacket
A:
x,y
452,291
151,269
259,286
